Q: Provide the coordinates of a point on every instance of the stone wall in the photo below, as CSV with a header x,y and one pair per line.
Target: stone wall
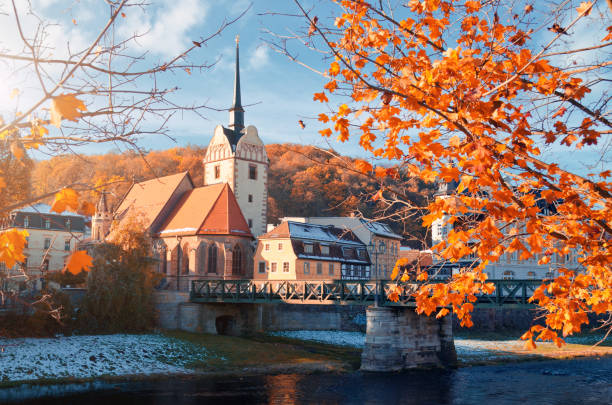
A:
x,y
399,338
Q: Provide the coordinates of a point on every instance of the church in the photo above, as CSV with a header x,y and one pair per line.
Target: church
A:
x,y
209,230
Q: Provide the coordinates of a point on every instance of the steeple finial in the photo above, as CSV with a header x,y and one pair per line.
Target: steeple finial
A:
x,y
237,112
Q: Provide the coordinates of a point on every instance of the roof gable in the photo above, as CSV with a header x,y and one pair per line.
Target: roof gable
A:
x,y
225,217
148,199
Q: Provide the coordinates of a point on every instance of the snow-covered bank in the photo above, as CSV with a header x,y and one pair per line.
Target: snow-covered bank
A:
x,y
468,350
95,356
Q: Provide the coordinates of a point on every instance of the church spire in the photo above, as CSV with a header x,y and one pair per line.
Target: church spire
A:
x,y
236,121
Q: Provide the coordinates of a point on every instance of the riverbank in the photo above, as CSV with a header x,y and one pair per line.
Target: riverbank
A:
x,y
150,356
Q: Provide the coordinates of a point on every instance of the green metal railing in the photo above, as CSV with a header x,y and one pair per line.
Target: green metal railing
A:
x,y
507,292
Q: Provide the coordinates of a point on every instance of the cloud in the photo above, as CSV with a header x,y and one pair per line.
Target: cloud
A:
x,y
165,30
259,58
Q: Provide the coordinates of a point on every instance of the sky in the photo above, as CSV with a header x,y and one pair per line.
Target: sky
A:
x,y
276,92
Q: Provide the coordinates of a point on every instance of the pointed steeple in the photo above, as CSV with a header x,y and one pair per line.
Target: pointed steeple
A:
x,y
236,118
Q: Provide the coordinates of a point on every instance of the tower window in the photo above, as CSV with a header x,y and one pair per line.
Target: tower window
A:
x,y
217,171
252,172
250,197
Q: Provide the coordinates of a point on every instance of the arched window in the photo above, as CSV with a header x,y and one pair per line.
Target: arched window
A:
x,y
237,260
185,259
201,259
159,249
212,259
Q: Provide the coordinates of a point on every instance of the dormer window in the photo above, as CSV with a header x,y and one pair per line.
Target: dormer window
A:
x,y
68,224
361,253
308,248
26,222
47,223
324,250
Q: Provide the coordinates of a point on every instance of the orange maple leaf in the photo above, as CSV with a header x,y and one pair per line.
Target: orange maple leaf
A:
x,y
78,261
363,166
66,106
585,8
66,198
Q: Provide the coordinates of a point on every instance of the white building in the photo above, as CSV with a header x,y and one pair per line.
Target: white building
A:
x,y
52,238
509,266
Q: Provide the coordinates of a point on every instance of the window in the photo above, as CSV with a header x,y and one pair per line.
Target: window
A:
x,y
324,250
47,223
273,268
267,246
68,224
202,259
531,274
262,267
27,242
250,223
331,269
212,259
67,245
286,267
252,172
26,222
250,197
306,267
319,268
308,248
237,260
47,243
217,171
361,253
45,264
280,246
508,275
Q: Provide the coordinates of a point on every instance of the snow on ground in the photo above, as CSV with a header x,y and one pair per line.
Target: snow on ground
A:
x,y
467,349
94,356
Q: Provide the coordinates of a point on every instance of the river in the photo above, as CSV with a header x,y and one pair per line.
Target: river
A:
x,y
579,381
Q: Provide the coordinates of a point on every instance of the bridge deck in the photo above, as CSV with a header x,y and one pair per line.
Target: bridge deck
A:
x,y
508,293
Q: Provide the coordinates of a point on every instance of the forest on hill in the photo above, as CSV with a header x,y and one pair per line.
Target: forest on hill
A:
x,y
302,181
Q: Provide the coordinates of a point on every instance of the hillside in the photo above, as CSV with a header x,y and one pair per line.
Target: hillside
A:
x,y
303,181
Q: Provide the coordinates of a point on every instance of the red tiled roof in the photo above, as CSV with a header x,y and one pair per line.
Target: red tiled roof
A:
x,y
208,210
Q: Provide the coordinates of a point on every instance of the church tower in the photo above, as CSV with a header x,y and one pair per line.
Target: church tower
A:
x,y
102,220
237,156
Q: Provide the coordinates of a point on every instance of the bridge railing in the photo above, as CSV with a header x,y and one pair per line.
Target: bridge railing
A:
x,y
507,292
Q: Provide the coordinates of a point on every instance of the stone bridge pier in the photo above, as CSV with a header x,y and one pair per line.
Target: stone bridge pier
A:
x,y
398,338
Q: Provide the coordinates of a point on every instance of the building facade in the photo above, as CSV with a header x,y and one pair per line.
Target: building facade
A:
x,y
510,265
52,238
301,251
382,243
237,156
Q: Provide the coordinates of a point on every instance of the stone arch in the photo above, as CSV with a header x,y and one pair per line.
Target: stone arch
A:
x,y
213,253
225,325
237,260
173,270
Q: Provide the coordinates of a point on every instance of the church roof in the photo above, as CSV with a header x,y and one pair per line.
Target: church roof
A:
x,y
149,198
208,210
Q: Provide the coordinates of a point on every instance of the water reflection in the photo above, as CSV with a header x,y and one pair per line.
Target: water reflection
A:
x,y
584,382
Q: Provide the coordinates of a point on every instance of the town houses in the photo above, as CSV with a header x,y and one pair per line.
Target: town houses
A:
x,y
219,230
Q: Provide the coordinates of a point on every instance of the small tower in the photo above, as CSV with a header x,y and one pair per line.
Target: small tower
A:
x,y
440,228
102,219
237,156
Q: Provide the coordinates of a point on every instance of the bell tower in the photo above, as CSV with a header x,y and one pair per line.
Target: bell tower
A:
x,y
237,156
102,220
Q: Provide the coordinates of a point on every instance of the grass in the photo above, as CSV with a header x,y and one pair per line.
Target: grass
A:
x,y
262,352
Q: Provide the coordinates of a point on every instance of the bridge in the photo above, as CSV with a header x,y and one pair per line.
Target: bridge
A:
x,y
396,336
508,293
